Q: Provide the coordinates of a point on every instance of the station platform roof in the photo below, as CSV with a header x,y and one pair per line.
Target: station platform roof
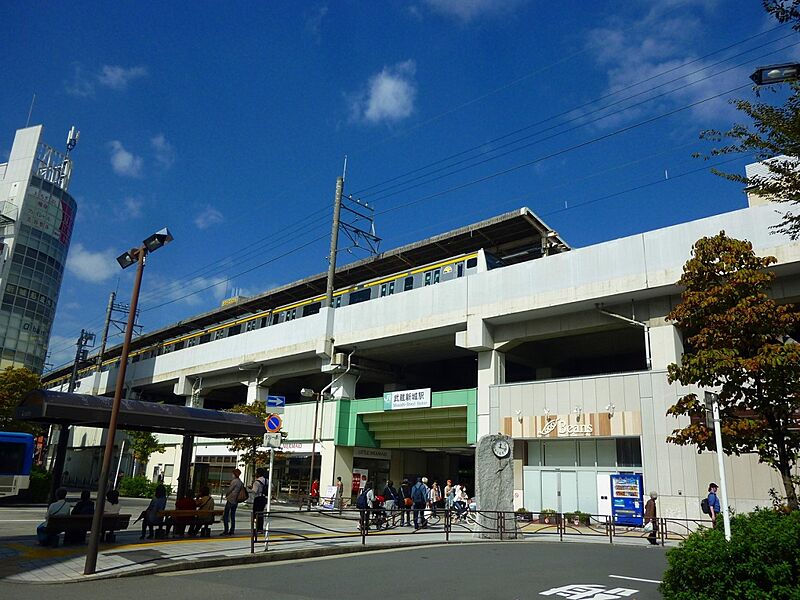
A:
x,y
59,408
515,236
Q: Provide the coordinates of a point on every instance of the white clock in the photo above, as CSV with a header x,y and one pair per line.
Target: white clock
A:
x,y
501,448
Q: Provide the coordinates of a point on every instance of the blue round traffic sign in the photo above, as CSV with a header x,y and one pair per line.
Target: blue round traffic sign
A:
x,y
273,423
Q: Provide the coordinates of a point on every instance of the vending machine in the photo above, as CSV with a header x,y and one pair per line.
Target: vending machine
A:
x,y
627,506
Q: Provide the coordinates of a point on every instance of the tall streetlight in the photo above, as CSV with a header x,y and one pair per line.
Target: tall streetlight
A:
x,y
132,256
309,393
776,73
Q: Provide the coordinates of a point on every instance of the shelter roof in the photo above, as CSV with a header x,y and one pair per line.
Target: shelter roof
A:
x,y
59,408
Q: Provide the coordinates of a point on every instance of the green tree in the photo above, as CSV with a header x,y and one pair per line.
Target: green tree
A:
x,y
143,444
247,447
774,132
737,340
15,382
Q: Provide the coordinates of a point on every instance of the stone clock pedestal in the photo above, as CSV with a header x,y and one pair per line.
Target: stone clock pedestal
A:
x,y
494,486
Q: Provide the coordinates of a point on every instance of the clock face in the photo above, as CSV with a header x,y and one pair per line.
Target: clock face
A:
x,y
501,448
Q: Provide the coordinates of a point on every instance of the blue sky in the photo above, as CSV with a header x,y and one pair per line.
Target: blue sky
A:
x,y
229,124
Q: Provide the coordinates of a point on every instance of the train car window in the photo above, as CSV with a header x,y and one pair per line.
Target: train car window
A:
x,y
437,275
206,337
219,334
391,288
251,325
427,278
291,315
472,262
311,309
192,342
338,302
460,270
360,296
235,330
264,321
408,284
179,345
383,290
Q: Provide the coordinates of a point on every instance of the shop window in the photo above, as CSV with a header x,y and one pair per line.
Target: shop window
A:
x,y
606,453
534,454
629,452
559,453
587,453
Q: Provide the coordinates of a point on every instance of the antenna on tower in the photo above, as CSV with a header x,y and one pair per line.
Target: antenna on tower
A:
x,y
30,110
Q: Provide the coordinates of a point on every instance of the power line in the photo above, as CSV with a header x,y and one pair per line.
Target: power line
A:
x,y
589,103
479,161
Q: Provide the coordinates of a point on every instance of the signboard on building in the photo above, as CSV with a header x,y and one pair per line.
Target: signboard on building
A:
x,y
572,425
359,479
407,399
377,453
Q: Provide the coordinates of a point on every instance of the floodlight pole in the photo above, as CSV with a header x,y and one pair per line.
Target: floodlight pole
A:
x,y
97,519
726,517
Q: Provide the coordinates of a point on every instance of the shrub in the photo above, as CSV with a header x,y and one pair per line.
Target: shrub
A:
x,y
39,487
139,487
761,561
581,517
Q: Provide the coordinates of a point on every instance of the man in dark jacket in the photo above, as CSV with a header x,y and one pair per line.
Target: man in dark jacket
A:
x,y
650,518
405,503
420,495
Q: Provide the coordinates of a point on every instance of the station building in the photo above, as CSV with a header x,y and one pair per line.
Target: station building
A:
x,y
36,219
495,327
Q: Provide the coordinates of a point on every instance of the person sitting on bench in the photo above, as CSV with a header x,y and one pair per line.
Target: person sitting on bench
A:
x,y
150,516
204,502
59,508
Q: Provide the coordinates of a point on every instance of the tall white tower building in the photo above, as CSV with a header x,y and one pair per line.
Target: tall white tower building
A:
x,y
36,219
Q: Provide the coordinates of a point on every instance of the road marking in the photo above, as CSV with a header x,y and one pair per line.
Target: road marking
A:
x,y
635,579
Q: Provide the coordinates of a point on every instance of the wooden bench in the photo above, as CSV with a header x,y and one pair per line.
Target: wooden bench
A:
x,y
202,518
75,527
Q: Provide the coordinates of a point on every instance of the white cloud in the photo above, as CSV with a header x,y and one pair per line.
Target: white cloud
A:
x,y
123,162
314,21
164,151
118,78
208,217
193,292
94,267
634,48
467,10
84,84
129,208
389,95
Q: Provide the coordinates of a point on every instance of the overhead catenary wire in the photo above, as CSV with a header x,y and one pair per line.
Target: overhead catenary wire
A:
x,y
479,161
479,147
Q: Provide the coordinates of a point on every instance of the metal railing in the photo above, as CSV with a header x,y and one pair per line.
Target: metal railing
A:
x,y
320,525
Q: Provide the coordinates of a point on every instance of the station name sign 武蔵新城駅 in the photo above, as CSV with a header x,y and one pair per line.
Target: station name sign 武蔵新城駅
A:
x,y
601,424
407,399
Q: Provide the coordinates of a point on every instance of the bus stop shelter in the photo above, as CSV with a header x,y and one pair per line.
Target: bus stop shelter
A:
x,y
69,410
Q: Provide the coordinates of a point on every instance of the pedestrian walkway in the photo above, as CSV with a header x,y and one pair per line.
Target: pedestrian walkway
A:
x,y
24,561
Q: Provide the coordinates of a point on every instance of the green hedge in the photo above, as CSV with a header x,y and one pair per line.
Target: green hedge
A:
x,y
39,488
139,487
762,560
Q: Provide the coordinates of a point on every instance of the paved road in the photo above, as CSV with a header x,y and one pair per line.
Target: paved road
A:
x,y
502,571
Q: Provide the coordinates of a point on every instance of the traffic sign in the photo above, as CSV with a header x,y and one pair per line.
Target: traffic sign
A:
x,y
273,423
272,440
276,401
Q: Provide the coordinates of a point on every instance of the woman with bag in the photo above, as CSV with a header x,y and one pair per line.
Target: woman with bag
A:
x,y
436,497
234,495
260,498
406,503
650,523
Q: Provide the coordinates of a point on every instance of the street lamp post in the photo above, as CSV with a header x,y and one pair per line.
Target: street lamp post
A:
x,y
132,256
776,73
309,393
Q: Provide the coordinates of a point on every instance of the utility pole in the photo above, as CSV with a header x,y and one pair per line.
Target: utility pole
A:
x,y
104,339
337,211
85,339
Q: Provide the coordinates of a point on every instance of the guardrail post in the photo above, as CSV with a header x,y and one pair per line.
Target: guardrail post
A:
x,y
662,530
363,521
252,533
447,524
560,518
500,523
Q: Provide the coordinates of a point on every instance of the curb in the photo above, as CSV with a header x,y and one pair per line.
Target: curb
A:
x,y
262,557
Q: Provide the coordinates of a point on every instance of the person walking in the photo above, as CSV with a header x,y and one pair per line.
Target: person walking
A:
x,y
420,496
650,516
339,494
390,496
713,503
406,503
436,496
232,495
259,498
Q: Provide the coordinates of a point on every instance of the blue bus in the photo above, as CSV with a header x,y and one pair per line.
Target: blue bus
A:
x,y
16,460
